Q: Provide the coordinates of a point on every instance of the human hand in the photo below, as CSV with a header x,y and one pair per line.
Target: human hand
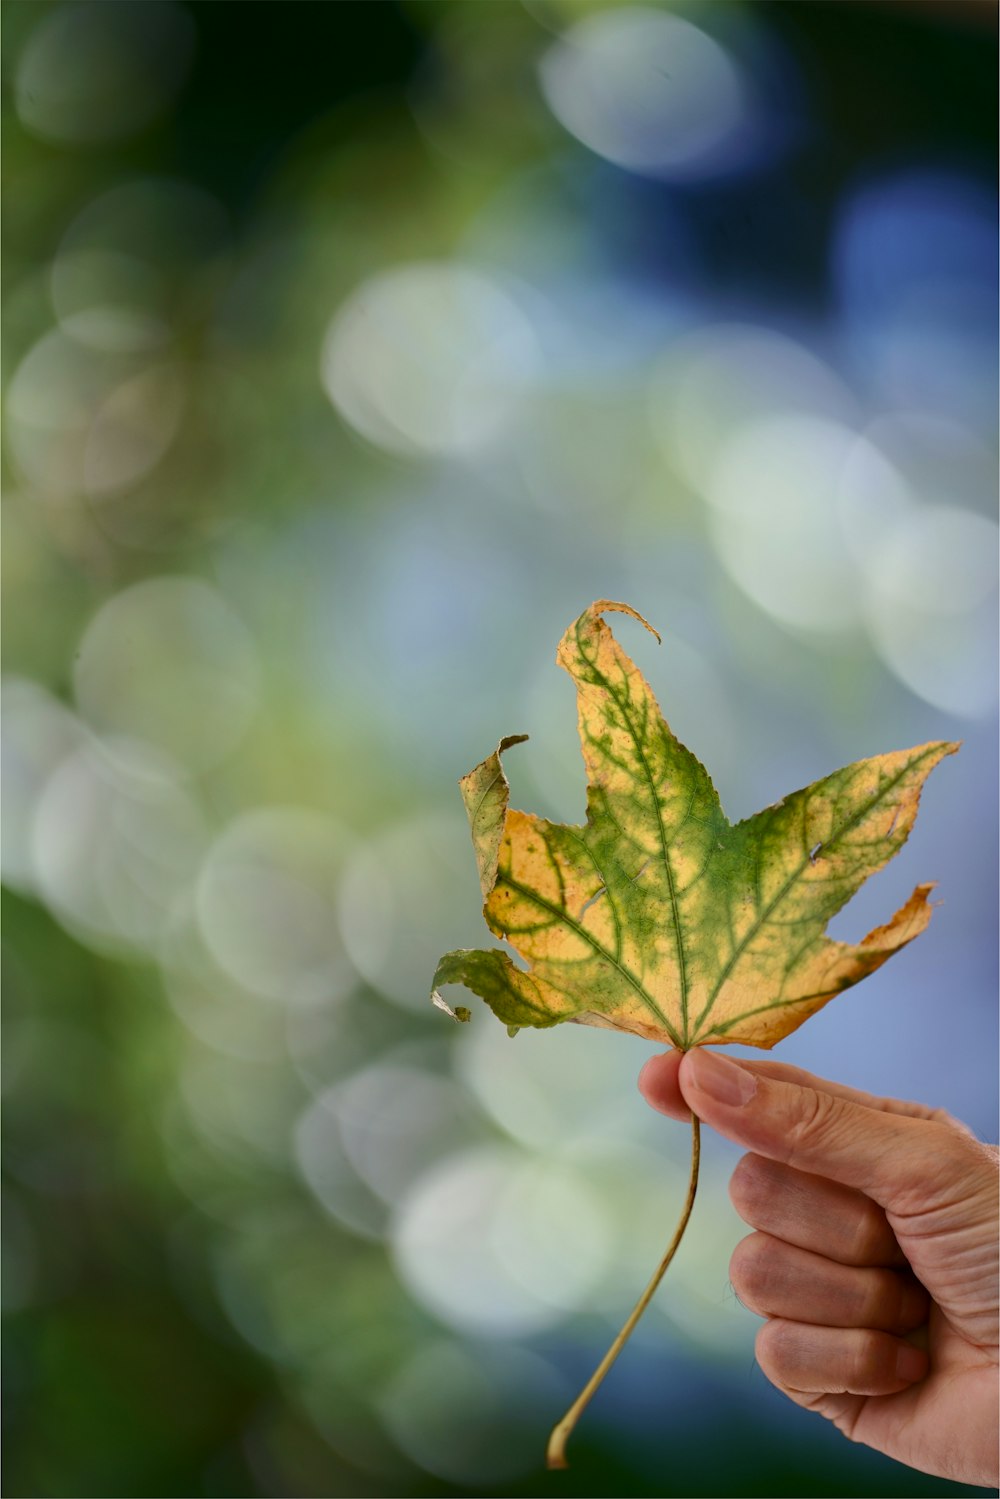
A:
x,y
874,1258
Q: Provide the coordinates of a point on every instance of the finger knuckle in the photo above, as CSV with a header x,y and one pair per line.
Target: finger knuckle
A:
x,y
951,1159
956,1126
879,1298
949,1139
866,1363
865,1235
816,1116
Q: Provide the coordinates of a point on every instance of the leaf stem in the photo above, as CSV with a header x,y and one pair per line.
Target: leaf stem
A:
x,y
555,1456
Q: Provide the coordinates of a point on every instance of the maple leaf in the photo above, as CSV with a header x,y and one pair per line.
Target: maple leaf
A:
x,y
658,916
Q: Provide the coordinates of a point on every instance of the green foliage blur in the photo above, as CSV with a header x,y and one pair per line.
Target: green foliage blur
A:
x,y
351,349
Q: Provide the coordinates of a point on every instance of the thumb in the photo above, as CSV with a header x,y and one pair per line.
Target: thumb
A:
x,y
894,1159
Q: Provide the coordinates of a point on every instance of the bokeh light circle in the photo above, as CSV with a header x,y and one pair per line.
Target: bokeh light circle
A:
x,y
550,1088
646,90
53,399
116,843
404,898
711,382
133,430
429,359
36,733
396,1121
326,1169
363,1142
94,73
139,264
169,661
469,1413
106,299
777,517
222,1014
266,902
494,1242
942,461
243,1110
932,608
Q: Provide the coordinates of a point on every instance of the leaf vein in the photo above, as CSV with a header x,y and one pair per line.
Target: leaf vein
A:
x,y
599,949
883,789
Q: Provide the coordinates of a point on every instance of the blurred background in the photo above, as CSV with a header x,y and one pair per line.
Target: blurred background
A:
x,y
350,351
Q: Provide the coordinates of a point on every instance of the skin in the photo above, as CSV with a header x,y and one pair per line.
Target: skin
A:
x,y
873,1257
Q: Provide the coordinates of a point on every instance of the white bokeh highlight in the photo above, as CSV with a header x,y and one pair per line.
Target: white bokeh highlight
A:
x,y
362,1143
266,904
116,843
397,1120
217,1011
429,359
406,896
709,384
775,520
646,90
495,1242
52,402
932,608
37,733
170,661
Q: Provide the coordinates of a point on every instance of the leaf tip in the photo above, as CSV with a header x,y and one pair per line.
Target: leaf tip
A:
x,y
608,606
505,744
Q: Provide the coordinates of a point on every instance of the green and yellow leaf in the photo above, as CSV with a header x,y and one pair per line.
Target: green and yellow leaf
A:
x,y
657,915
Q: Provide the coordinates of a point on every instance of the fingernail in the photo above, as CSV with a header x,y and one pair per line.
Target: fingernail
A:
x,y
721,1079
911,1363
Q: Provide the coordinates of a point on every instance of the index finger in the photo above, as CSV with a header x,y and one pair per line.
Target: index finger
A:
x,y
659,1086
899,1160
